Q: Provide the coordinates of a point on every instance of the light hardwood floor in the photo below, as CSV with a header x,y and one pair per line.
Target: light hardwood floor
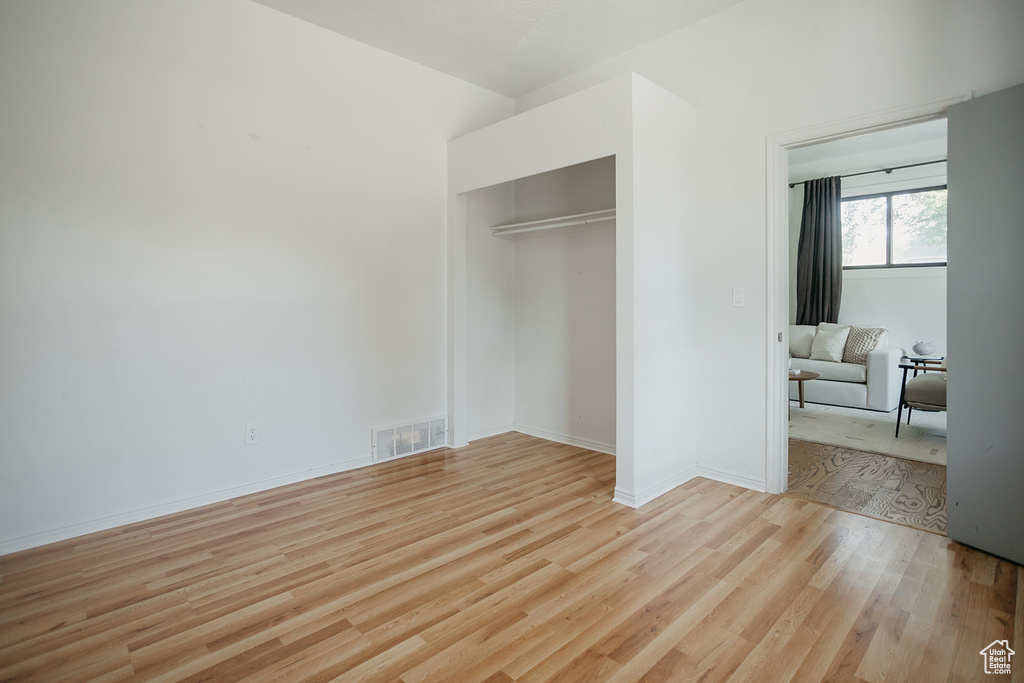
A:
x,y
504,561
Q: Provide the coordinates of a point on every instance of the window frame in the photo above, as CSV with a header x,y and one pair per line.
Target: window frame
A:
x,y
888,228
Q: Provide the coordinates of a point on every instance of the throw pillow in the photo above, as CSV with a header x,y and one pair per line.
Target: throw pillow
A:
x,y
861,341
829,344
800,339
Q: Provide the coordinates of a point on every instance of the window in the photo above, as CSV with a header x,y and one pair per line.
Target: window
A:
x,y
895,229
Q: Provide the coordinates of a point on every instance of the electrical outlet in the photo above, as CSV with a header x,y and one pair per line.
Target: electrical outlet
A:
x,y
252,434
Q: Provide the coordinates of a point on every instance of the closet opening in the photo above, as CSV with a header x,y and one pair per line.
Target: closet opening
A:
x,y
540,306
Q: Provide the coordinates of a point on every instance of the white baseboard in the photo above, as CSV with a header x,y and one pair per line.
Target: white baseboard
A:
x,y
635,500
628,498
598,446
732,478
476,436
64,532
624,498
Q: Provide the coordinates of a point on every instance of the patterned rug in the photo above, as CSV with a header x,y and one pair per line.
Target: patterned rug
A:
x,y
923,440
894,489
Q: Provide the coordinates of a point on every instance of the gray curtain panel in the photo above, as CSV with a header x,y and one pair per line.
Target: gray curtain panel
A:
x,y
819,264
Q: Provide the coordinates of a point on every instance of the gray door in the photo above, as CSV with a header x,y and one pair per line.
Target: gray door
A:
x,y
985,281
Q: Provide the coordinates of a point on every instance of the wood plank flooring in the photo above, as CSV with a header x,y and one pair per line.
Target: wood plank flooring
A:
x,y
880,486
502,561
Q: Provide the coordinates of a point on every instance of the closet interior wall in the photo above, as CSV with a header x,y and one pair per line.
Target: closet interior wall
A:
x,y
541,310
490,313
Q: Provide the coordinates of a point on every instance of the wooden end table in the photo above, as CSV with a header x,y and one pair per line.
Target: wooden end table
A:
x,y
800,378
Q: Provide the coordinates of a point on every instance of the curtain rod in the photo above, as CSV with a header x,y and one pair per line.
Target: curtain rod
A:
x,y
881,170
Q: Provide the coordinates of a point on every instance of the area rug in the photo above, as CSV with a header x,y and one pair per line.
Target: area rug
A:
x,y
880,486
923,440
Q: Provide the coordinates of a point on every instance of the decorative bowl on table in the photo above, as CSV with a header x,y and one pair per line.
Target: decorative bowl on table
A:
x,y
923,348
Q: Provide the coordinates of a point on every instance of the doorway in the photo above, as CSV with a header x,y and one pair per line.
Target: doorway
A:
x,y
843,449
778,234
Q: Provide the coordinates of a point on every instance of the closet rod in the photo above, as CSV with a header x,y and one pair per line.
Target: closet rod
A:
x,y
589,218
881,170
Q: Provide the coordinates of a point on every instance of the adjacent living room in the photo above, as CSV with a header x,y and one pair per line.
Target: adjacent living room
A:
x,y
858,323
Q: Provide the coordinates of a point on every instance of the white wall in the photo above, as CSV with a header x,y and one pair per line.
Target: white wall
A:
x,y
763,67
664,260
579,188
565,309
909,302
212,214
565,337
491,313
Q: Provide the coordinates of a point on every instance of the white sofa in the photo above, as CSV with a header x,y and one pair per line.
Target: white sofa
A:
x,y
874,385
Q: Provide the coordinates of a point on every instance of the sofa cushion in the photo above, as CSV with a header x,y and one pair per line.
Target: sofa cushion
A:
x,y
837,372
829,344
927,390
861,341
800,339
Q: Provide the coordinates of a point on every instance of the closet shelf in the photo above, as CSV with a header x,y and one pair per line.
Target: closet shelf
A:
x,y
580,221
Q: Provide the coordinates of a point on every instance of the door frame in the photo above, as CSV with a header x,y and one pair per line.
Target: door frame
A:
x,y
777,148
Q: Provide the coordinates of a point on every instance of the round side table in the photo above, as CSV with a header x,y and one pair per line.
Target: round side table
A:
x,y
800,378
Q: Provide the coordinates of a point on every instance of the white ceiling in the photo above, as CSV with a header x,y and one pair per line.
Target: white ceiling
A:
x,y
511,47
928,132
886,148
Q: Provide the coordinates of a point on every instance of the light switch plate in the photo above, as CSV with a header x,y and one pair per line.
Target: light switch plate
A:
x,y
737,296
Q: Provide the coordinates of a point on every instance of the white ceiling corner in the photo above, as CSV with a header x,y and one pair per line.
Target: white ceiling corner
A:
x,y
511,47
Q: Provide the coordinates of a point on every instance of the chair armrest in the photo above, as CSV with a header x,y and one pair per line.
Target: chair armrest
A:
x,y
884,378
927,365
